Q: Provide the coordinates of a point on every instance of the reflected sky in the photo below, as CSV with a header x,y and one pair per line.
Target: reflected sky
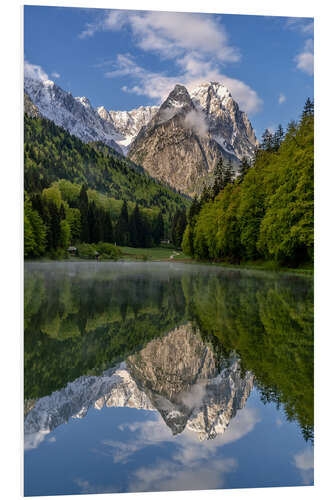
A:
x,y
124,449
168,378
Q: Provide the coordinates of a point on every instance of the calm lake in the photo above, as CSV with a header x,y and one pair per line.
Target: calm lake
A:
x,y
165,376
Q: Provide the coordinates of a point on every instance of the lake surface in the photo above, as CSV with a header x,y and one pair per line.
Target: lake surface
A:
x,y
166,376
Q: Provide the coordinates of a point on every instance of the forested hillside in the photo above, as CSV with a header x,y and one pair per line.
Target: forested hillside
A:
x,y
266,212
77,192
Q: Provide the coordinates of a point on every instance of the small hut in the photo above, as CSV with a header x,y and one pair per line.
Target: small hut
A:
x,y
72,250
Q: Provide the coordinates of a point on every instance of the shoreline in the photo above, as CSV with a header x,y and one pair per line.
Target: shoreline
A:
x,y
265,266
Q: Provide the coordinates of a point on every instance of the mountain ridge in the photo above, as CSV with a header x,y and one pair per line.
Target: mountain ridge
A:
x,y
190,133
179,142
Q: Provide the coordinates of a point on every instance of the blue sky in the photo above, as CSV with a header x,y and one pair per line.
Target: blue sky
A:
x,y
124,59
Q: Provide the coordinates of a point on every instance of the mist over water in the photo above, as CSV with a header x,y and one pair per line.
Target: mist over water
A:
x,y
162,369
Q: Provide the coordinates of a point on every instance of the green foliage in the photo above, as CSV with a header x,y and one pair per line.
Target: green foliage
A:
x,y
87,250
108,250
65,234
178,227
74,220
34,231
102,249
52,155
82,191
268,212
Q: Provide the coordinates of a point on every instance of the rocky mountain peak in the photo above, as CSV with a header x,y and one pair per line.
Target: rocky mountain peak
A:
x,y
204,93
178,143
178,97
84,100
190,133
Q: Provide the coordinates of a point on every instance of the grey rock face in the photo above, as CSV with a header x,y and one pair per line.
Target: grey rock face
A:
x,y
190,132
227,125
29,107
178,143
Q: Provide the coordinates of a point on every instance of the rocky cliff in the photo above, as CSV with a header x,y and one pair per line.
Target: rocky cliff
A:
x,y
178,143
29,107
189,133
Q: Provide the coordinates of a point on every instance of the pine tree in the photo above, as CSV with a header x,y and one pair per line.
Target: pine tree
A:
x,y
308,109
194,209
122,234
206,194
108,235
95,224
83,207
278,138
135,227
54,229
267,141
228,176
178,227
158,228
243,169
219,172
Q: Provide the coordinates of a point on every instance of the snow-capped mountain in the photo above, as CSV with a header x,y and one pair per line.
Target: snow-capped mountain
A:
x,y
115,128
190,132
175,375
178,143
227,125
75,114
128,123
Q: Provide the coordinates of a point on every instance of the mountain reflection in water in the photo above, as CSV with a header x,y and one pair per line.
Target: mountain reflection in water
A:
x,y
176,375
194,348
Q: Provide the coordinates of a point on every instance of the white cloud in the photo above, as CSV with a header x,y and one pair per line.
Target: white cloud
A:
x,y
195,121
304,461
89,488
170,34
34,71
157,86
189,449
282,98
169,476
55,74
305,60
33,440
197,43
300,24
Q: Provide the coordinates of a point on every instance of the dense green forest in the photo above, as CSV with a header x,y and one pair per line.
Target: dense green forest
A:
x,y
77,192
267,211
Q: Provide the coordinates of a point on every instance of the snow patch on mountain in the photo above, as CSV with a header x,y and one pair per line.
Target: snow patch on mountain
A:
x,y
76,115
128,123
